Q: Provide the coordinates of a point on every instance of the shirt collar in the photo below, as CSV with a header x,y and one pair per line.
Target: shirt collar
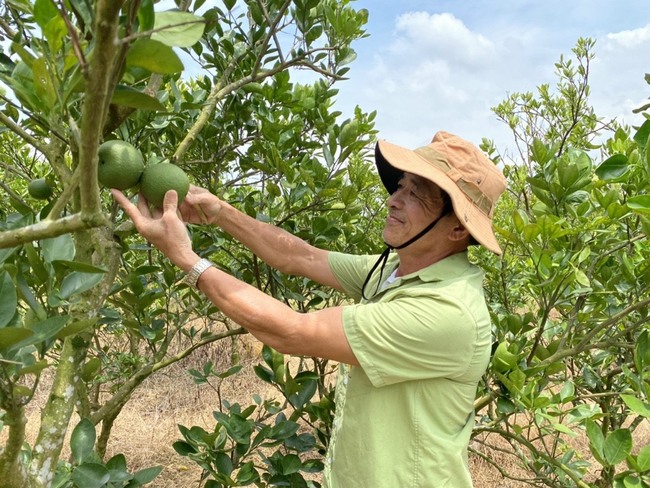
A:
x,y
449,267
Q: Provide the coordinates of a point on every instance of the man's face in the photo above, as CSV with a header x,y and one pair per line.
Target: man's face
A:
x,y
414,205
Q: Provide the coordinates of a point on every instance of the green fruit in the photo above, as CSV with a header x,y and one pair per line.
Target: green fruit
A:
x,y
40,189
158,179
120,165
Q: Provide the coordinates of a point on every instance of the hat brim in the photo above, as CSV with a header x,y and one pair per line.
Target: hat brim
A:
x,y
393,161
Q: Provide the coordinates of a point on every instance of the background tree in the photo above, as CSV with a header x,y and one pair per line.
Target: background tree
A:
x,y
82,298
569,297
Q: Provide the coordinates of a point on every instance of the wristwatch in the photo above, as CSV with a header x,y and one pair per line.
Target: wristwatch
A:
x,y
197,270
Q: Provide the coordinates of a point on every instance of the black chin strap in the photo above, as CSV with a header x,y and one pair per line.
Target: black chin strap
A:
x,y
383,258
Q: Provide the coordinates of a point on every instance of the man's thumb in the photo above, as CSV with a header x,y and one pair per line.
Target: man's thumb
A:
x,y
170,202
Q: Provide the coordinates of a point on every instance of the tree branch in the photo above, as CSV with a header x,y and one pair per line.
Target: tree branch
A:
x,y
125,391
46,229
23,134
99,90
221,89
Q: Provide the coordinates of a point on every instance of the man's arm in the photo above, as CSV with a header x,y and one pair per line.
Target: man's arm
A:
x,y
276,247
318,333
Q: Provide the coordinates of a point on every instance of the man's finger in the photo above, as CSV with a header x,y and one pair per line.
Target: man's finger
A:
x,y
170,202
128,207
202,215
143,206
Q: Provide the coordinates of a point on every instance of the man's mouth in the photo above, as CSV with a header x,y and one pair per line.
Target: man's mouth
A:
x,y
393,219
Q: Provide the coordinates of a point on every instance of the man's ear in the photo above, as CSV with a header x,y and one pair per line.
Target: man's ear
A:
x,y
457,232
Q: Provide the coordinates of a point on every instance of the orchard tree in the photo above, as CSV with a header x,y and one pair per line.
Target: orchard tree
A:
x,y
82,299
570,296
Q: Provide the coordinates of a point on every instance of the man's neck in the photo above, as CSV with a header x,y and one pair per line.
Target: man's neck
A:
x,y
409,262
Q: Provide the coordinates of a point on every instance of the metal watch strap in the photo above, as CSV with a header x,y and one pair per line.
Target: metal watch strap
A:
x,y
197,270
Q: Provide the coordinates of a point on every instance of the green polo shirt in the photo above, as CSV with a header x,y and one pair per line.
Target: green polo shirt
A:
x,y
404,418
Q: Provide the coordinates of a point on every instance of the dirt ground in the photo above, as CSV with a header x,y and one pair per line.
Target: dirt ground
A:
x,y
148,426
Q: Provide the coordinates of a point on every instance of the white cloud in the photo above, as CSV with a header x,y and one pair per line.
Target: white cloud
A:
x,y
630,38
440,36
426,71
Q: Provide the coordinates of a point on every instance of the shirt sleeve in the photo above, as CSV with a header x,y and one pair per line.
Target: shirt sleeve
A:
x,y
411,338
351,271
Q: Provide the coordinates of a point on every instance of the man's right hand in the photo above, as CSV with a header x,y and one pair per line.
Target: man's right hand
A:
x,y
200,206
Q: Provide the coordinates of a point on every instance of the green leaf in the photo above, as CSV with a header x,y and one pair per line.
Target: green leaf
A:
x,y
596,440
59,248
44,11
118,470
180,29
349,133
9,336
290,464
77,266
8,299
35,368
183,448
223,463
540,152
146,15
55,32
6,253
639,203
76,327
564,429
146,475
643,458
154,56
130,97
84,10
91,368
613,167
43,85
567,174
641,136
43,331
283,430
77,282
617,446
636,405
247,474
82,441
90,475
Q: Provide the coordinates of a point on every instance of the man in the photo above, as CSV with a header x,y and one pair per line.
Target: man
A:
x,y
413,347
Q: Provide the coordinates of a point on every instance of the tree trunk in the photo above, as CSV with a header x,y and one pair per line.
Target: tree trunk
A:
x,y
56,414
11,474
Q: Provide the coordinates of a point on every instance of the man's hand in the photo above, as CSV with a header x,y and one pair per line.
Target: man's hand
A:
x,y
163,229
200,206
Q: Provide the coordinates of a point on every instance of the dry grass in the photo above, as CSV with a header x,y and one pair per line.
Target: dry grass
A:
x,y
147,427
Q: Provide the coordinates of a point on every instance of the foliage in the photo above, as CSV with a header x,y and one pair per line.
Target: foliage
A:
x,y
570,295
85,300
88,471
263,430
82,298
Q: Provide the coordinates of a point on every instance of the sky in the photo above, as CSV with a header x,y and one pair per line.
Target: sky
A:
x,y
432,65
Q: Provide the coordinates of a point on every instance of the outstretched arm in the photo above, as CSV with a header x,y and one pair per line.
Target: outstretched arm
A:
x,y
273,245
317,334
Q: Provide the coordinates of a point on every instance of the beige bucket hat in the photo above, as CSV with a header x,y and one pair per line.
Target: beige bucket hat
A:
x,y
471,179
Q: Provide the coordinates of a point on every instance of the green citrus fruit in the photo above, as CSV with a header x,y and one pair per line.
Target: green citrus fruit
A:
x,y
158,179
120,165
40,189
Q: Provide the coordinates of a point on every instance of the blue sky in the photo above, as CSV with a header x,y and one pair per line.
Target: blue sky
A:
x,y
432,65
442,64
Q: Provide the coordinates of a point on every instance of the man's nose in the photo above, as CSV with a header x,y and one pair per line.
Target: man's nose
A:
x,y
396,199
